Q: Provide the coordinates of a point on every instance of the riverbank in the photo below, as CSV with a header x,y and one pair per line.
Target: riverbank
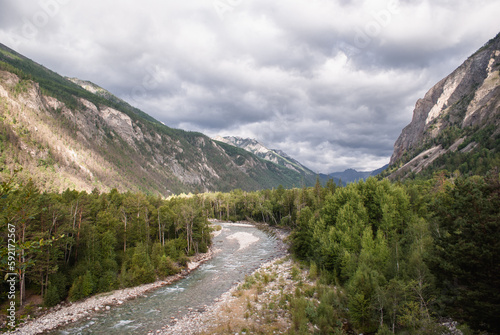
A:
x,y
257,305
250,306
68,313
71,312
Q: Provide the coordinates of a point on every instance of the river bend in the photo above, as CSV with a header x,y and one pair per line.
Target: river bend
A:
x,y
239,250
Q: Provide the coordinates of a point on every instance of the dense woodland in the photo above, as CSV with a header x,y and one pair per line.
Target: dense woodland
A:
x,y
75,244
402,256
389,257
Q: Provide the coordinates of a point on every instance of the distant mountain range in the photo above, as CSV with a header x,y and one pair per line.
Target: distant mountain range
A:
x,y
273,155
281,158
352,176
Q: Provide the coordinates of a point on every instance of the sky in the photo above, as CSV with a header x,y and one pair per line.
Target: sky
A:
x,y
330,82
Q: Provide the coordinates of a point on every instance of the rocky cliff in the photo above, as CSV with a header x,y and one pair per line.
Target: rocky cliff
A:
x,y
447,117
65,136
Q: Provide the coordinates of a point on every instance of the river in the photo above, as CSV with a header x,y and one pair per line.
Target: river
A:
x,y
239,250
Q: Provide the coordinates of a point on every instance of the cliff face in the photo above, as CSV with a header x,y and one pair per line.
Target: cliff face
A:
x,y
467,98
63,136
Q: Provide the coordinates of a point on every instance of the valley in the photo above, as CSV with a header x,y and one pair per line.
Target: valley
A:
x,y
98,199
67,137
238,250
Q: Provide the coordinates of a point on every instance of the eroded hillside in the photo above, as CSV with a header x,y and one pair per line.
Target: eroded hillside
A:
x,y
457,118
65,137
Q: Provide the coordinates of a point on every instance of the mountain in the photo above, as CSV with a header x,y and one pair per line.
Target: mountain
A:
x,y
74,134
281,158
273,155
352,176
97,90
455,126
276,156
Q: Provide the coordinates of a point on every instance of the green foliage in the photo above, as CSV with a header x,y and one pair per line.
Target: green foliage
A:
x,y
82,287
56,291
313,271
361,313
373,238
166,267
466,250
51,297
299,315
142,271
77,244
386,257
183,260
107,282
382,245
384,330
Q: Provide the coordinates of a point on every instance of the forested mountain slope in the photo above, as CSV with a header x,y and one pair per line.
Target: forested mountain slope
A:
x,y
456,125
64,136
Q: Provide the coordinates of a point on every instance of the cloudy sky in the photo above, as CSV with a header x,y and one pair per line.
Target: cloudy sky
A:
x,y
330,82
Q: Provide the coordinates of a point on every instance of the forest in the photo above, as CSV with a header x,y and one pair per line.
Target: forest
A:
x,y
396,257
75,244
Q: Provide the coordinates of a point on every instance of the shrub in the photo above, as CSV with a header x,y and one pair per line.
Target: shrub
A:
x,y
143,275
51,297
107,282
313,271
183,260
202,247
82,287
56,291
166,267
299,315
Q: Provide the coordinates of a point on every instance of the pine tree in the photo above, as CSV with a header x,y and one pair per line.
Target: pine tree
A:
x,y
467,245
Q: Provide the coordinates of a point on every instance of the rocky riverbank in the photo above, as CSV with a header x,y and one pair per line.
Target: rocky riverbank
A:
x,y
71,312
67,313
250,306
258,304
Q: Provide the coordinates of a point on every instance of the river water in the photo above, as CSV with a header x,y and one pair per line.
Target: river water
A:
x,y
240,250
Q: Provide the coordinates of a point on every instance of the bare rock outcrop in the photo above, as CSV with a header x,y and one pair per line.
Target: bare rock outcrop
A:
x,y
470,96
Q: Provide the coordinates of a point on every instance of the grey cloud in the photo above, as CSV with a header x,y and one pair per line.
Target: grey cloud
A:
x,y
288,73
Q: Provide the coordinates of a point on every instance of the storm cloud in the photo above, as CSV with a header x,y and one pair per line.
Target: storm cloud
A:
x,y
330,82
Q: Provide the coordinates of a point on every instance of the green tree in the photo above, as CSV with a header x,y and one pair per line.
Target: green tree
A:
x,y
20,205
302,236
82,287
467,245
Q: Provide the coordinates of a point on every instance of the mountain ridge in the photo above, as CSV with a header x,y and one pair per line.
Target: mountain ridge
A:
x,y
455,120
67,137
352,175
276,156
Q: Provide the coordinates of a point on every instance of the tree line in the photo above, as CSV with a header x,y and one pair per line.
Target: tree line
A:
x,y
75,244
393,257
402,257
